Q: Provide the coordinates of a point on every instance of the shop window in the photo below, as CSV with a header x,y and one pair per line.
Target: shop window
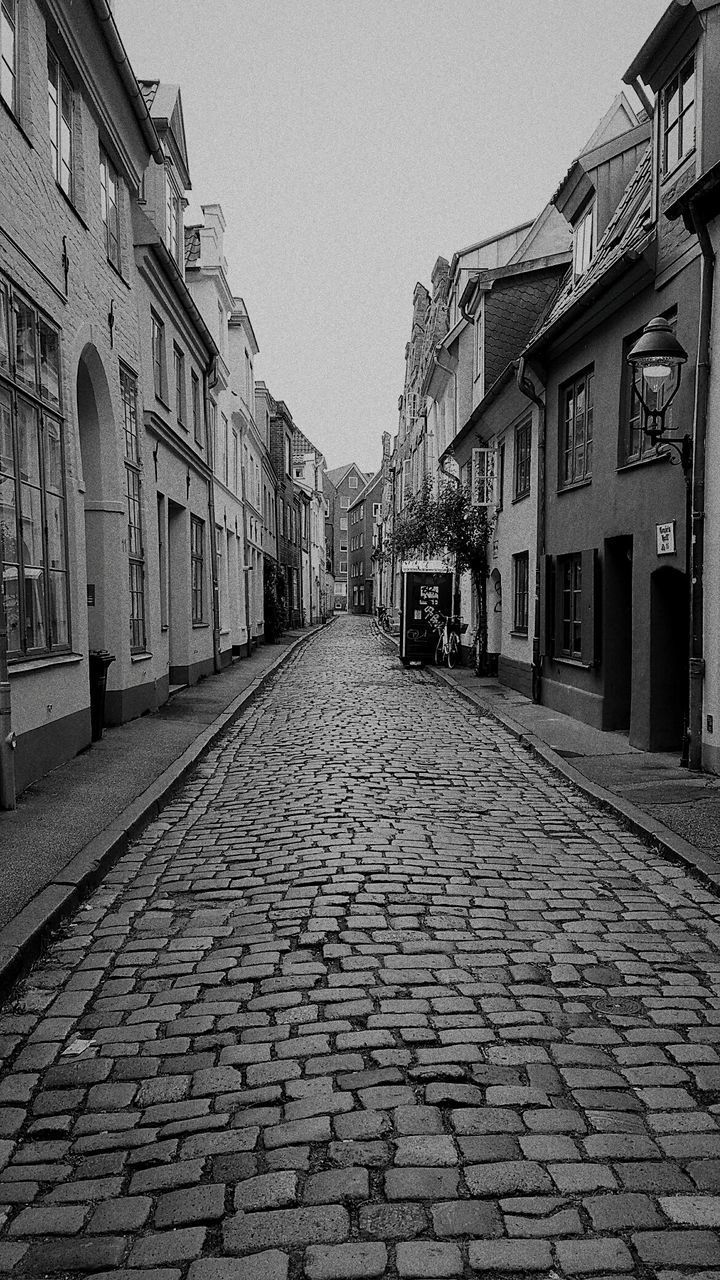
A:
x,y
32,482
576,429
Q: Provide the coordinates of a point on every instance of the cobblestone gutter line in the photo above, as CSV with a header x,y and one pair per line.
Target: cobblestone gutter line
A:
x,y
21,939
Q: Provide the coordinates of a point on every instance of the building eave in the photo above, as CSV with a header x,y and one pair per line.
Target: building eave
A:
x,y
111,35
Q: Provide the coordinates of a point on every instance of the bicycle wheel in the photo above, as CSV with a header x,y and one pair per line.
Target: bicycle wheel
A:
x,y
453,653
387,625
439,652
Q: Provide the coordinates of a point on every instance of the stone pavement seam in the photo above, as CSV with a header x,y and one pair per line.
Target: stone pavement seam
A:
x,y
700,864
21,939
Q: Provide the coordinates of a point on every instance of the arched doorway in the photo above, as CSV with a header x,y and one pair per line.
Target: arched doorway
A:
x,y
104,510
668,658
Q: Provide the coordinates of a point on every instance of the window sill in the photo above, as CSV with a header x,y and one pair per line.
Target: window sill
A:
x,y
117,272
141,656
164,403
201,626
68,200
23,666
572,662
633,463
575,484
672,174
520,497
9,111
519,634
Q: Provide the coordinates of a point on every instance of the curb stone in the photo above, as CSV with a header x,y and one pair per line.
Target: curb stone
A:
x,y
22,938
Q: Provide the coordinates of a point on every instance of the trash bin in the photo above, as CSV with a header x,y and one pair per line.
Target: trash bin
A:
x,y
100,660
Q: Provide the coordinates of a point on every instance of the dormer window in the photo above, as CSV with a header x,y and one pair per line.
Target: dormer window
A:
x,y
584,240
172,220
678,116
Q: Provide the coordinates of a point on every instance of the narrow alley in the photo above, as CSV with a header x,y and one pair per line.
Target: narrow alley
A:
x,y
378,994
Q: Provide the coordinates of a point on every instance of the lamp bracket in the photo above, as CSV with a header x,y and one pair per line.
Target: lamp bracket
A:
x,y
683,448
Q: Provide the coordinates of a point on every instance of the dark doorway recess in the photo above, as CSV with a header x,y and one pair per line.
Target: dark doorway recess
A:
x,y
668,658
618,637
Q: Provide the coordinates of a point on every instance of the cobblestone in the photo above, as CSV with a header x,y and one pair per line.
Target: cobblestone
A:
x,y
340,1027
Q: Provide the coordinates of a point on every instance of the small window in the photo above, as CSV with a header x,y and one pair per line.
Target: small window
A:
x,y
343,566
678,116
157,344
344,503
343,522
172,220
482,477
520,592
8,53
60,118
522,461
110,207
584,241
179,365
570,606
197,568
352,482
376,510
196,407
576,429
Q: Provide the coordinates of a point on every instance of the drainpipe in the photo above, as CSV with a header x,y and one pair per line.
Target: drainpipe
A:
x,y
7,737
527,387
210,380
697,660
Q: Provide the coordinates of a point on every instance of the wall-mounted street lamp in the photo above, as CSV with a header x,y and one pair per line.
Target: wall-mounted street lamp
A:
x,y
658,358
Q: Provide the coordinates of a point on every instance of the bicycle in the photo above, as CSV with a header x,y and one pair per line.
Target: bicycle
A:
x,y
383,618
447,649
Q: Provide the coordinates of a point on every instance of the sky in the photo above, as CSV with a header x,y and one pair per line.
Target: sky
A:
x,y
352,142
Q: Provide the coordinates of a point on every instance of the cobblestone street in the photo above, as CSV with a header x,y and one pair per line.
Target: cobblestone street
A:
x,y
377,995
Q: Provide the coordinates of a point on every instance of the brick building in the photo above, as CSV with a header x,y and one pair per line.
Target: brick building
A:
x,y
346,484
75,143
363,515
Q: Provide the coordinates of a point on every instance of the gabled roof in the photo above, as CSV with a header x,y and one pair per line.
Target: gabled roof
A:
x,y
338,474
366,489
164,103
628,234
620,118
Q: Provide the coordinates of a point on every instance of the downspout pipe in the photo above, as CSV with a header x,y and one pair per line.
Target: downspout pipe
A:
x,y
527,387
697,658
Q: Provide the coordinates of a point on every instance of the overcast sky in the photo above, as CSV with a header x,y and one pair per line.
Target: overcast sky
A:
x,y
351,142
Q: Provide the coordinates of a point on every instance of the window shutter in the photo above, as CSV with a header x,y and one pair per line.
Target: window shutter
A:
x,y
589,598
546,605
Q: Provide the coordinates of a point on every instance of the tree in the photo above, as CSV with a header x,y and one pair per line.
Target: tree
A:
x,y
451,526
